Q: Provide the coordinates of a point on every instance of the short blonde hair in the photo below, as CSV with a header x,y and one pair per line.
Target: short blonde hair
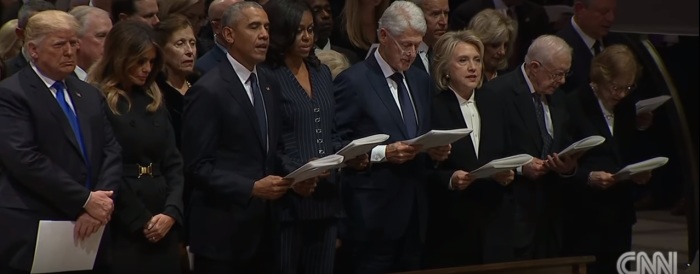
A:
x,y
445,47
613,62
494,27
46,22
10,44
336,61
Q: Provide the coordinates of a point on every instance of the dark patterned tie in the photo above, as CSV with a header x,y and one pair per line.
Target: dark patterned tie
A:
x,y
259,106
596,47
546,138
409,114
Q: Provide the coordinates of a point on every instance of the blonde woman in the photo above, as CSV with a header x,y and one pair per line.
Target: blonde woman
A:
x,y
148,207
469,221
498,33
358,25
9,44
335,61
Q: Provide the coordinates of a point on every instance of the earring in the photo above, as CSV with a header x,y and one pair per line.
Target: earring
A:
x,y
447,76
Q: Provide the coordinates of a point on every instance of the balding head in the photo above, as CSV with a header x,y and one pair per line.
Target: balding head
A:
x,y
547,63
52,41
215,13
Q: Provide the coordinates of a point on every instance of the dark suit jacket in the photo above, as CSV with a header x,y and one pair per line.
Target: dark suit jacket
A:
x,y
538,201
224,154
381,201
581,57
43,171
352,56
14,65
470,226
613,205
532,21
210,60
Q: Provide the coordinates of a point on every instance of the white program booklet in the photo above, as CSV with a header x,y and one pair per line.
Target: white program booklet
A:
x,y
58,251
361,146
582,145
500,165
651,104
315,167
642,166
436,138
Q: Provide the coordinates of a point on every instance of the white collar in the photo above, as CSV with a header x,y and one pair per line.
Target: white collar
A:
x,y
606,112
586,39
242,72
423,48
47,81
82,75
327,46
527,79
386,68
461,99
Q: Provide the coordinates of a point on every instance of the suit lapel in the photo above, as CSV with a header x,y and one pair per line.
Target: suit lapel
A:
x,y
453,108
49,101
380,86
268,98
556,112
236,89
81,108
526,108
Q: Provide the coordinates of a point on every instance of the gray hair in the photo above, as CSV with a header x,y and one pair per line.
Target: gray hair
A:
x,y
30,8
233,13
545,48
401,16
83,15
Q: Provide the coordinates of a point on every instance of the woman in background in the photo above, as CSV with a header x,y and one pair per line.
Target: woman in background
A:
x,y
148,205
357,30
498,33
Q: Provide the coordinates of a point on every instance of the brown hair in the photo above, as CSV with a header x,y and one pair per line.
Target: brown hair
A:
x,y
614,61
124,46
445,47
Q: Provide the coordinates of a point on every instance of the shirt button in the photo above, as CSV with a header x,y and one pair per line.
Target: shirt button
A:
x,y
318,130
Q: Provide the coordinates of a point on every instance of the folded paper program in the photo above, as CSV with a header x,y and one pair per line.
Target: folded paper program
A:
x,y
315,168
500,165
642,166
436,138
582,145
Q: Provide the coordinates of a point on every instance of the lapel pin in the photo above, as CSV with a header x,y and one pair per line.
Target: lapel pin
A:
x,y
78,94
267,88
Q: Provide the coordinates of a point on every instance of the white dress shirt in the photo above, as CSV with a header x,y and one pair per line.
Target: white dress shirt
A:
x,y
82,75
545,104
471,117
423,55
586,39
243,75
379,152
327,46
609,117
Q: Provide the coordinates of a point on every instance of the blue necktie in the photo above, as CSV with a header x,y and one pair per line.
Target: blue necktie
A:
x,y
546,138
409,114
259,106
74,124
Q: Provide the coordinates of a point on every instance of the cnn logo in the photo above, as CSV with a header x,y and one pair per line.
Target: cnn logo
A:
x,y
657,264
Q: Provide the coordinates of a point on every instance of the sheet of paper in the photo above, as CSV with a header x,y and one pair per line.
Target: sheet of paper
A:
x,y
499,165
315,168
57,251
651,104
436,138
642,166
583,145
361,146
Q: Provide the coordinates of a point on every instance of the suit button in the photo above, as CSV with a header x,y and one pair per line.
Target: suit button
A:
x,y
317,120
317,110
320,141
318,130
321,151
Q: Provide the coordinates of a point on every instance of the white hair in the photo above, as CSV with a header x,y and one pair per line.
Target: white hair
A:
x,y
401,16
84,13
545,48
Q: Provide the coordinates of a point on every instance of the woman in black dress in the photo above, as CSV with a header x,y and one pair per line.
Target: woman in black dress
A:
x,y
148,205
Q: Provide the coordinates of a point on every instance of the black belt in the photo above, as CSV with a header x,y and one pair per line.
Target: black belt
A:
x,y
138,171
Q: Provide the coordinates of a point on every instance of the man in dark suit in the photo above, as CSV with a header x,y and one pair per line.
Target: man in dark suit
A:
x,y
538,125
143,10
587,34
217,53
58,157
386,203
230,132
436,13
323,20
27,10
532,21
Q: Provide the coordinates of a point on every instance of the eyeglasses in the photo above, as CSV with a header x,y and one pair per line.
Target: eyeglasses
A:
x,y
405,50
617,89
556,76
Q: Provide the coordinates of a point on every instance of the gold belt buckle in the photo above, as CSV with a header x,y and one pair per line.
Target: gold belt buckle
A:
x,y
145,170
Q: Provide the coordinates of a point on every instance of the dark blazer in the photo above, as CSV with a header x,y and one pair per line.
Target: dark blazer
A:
x,y
581,56
352,56
14,65
470,226
210,60
381,200
224,154
537,202
43,171
532,21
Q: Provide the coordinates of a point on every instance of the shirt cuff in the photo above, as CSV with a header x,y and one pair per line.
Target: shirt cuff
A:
x,y
378,154
519,170
88,199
